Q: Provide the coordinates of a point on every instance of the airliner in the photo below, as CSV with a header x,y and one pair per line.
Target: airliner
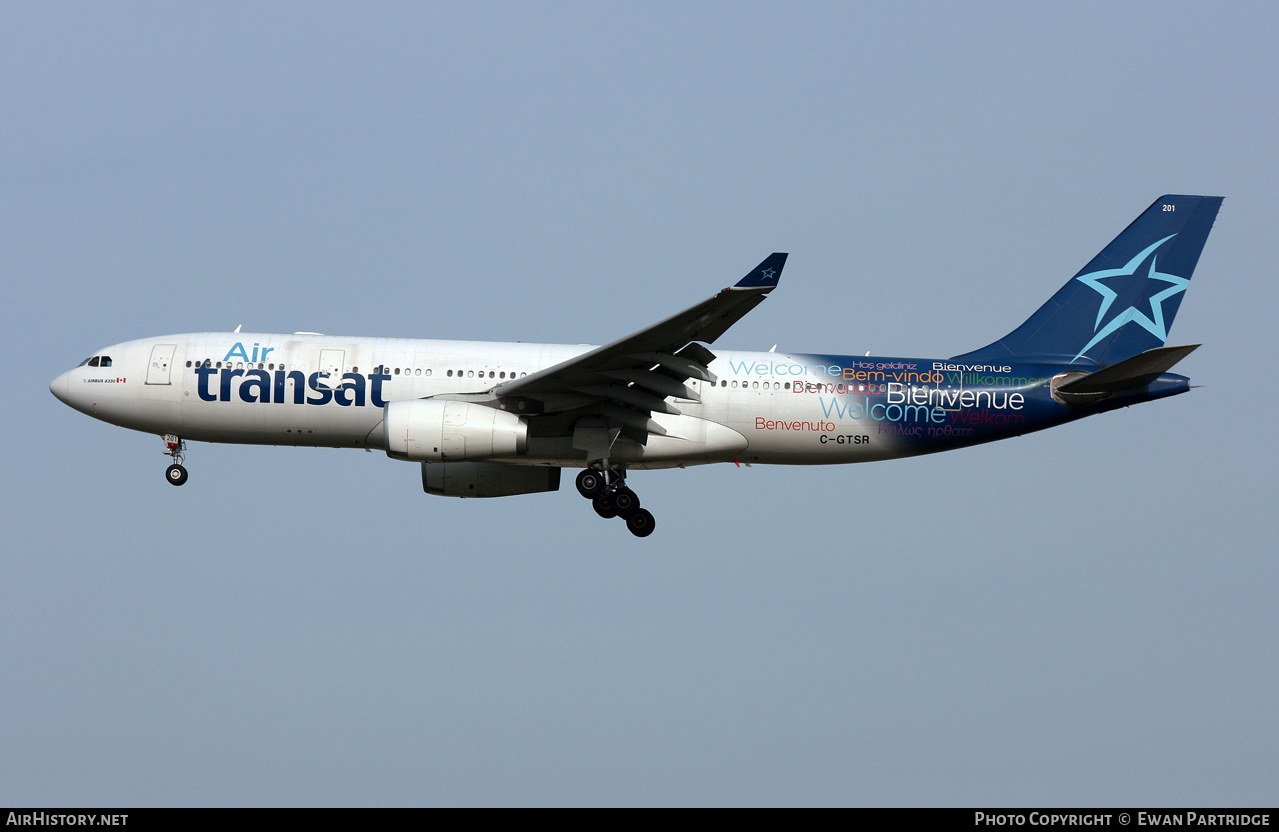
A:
x,y
489,419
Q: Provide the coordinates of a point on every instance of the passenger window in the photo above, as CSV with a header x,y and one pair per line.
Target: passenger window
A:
x,y
428,371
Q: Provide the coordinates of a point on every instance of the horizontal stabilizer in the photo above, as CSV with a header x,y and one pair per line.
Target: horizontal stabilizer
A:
x,y
1137,371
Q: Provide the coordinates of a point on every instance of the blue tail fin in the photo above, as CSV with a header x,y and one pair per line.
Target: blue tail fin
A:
x,y
1123,302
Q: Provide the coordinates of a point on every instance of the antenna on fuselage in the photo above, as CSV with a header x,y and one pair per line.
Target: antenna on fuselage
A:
x,y
237,327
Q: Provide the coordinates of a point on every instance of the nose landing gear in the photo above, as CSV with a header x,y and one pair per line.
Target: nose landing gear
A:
x,y
175,447
606,488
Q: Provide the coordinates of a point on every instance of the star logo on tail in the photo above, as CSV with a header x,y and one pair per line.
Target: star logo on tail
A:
x,y
1152,323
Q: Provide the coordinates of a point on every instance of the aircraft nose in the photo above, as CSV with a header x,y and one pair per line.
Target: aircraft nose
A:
x,y
60,387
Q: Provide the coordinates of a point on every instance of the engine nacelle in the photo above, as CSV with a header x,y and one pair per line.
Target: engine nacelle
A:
x,y
437,430
487,479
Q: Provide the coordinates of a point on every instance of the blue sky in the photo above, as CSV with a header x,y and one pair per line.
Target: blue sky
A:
x,y
1081,616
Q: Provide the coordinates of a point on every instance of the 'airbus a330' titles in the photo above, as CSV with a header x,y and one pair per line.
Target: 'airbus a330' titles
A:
x,y
488,419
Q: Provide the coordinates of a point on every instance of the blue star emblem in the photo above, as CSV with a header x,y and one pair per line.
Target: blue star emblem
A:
x,y
768,275
1152,323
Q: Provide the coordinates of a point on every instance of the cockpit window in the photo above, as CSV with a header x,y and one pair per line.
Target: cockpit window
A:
x,y
106,361
84,362
93,362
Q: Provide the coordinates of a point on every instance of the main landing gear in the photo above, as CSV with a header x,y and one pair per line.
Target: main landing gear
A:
x,y
606,489
175,448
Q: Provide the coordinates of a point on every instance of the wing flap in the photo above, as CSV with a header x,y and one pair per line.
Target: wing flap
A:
x,y
680,366
662,385
632,396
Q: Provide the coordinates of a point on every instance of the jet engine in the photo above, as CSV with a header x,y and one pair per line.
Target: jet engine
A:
x,y
438,430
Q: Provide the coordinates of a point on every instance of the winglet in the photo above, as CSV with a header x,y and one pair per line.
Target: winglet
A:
x,y
765,275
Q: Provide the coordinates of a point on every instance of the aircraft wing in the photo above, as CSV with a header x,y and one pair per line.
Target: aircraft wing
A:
x,y
627,380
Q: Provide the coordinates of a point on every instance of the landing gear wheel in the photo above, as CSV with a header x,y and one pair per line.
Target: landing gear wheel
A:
x,y
640,522
626,501
175,474
590,483
174,449
604,505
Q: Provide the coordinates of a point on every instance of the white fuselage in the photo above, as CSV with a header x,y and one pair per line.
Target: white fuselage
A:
x,y
277,389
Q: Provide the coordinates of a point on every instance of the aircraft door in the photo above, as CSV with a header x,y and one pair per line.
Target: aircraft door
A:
x,y
161,359
331,363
